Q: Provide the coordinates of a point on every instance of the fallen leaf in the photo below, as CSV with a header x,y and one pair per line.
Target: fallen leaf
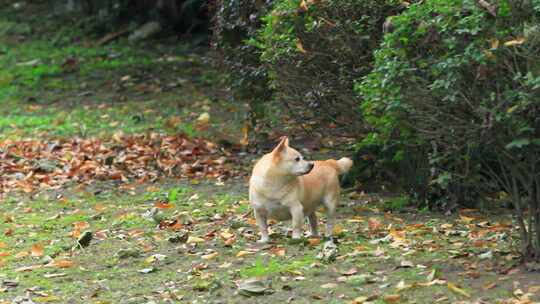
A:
x,y
350,272
194,239
28,268
46,299
360,300
61,264
210,256
337,230
329,286
163,205
314,241
226,235
252,286
534,289
489,286
457,290
37,250
243,253
374,223
516,41
392,298
300,47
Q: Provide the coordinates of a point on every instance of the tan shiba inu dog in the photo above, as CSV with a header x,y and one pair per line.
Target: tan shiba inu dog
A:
x,y
283,185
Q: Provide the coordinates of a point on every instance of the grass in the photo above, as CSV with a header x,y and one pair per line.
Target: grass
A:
x,y
71,87
274,266
117,219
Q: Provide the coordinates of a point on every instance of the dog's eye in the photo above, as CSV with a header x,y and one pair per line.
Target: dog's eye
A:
x,y
297,158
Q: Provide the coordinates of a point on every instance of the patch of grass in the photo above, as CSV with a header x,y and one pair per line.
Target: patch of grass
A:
x,y
66,88
396,203
264,267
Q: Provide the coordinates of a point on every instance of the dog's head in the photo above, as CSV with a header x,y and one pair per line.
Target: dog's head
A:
x,y
289,161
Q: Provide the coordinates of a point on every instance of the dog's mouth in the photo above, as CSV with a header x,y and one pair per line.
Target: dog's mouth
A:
x,y
308,170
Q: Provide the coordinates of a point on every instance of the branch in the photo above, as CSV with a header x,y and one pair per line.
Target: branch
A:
x,y
492,9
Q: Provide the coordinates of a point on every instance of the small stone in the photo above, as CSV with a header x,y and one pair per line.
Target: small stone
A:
x,y
128,253
147,270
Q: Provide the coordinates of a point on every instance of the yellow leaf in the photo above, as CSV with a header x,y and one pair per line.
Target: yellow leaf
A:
x,y
337,230
457,290
360,300
516,41
210,256
243,253
303,6
299,46
226,235
494,43
245,134
46,299
22,254
466,219
204,118
194,239
511,109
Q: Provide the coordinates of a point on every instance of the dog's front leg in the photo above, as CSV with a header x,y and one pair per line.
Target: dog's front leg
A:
x,y
260,216
297,213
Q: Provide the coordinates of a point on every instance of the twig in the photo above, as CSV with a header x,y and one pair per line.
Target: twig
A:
x,y
492,9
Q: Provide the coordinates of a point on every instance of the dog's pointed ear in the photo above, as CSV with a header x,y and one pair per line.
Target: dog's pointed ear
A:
x,y
283,143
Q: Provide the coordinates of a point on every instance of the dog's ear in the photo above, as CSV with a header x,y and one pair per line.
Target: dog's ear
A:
x,y
283,143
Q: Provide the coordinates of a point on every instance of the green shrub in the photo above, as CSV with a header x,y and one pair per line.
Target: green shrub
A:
x,y
463,82
315,50
236,21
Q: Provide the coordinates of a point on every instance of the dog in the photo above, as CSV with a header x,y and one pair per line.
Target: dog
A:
x,y
283,185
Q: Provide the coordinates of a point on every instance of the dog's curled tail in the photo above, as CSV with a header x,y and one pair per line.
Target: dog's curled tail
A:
x,y
344,164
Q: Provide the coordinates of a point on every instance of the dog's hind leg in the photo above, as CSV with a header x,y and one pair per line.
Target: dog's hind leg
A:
x,y
260,216
297,213
331,202
312,219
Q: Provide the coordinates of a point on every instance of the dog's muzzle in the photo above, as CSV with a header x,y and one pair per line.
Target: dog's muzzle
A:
x,y
311,165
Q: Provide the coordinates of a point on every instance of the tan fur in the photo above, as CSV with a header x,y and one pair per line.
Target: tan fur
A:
x,y
285,186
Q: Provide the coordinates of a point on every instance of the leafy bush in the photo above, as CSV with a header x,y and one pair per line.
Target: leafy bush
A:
x,y
463,81
315,50
235,22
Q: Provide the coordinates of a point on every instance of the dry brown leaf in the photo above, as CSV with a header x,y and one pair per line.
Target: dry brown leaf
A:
x,y
314,241
300,47
61,264
392,298
37,250
374,223
243,253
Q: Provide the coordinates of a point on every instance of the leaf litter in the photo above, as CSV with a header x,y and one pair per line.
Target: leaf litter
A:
x,y
31,165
